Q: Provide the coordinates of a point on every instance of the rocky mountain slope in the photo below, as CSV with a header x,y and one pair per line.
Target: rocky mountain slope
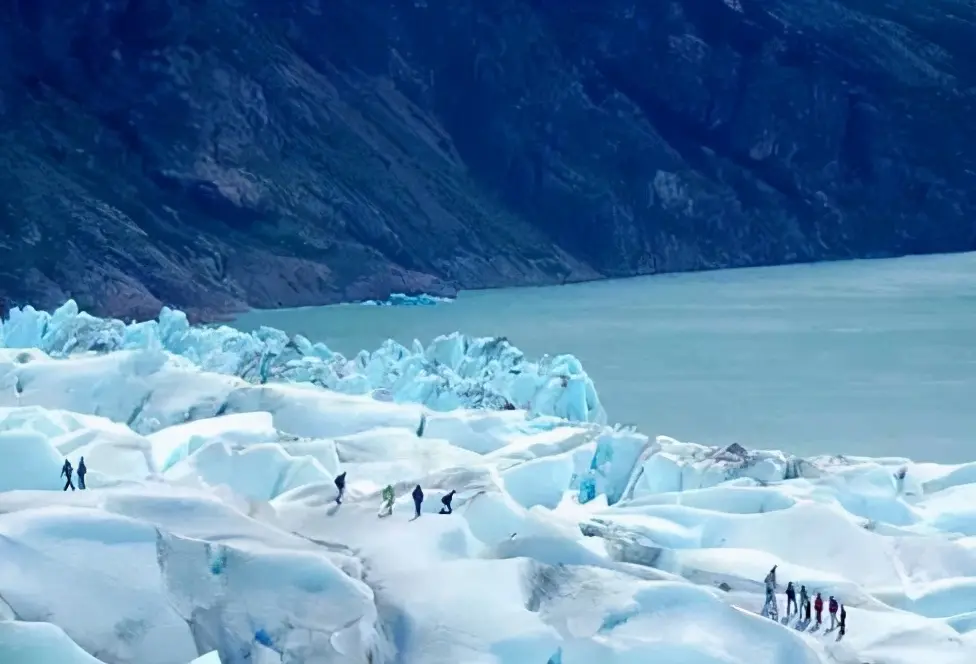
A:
x,y
218,154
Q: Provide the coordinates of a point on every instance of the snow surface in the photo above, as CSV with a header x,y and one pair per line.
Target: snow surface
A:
x,y
210,533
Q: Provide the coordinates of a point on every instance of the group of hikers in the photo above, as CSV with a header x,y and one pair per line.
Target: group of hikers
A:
x,y
67,471
389,496
836,610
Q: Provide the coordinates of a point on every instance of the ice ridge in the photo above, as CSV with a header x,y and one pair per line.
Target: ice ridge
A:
x,y
453,371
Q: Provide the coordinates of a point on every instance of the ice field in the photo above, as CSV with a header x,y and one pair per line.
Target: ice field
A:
x,y
209,531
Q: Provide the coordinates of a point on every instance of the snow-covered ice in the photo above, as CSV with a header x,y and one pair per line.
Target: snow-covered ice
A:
x,y
210,532
453,371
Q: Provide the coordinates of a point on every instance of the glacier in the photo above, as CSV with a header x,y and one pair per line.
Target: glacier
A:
x,y
453,371
209,532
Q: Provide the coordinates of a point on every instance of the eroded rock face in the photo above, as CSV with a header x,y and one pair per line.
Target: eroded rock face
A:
x,y
219,154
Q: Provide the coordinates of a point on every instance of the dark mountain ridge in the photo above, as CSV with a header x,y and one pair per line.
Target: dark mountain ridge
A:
x,y
221,154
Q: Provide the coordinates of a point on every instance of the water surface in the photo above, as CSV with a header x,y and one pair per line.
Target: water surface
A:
x,y
859,357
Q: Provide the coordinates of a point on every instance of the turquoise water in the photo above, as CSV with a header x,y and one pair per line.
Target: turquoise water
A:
x,y
861,357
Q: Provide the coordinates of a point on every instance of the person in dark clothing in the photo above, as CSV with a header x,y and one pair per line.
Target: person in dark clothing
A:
x,y
804,601
340,483
790,600
770,608
82,471
807,605
66,471
832,609
418,499
818,608
843,620
446,501
770,581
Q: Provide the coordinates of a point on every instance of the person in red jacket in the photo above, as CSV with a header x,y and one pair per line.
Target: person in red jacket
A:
x,y
832,607
818,608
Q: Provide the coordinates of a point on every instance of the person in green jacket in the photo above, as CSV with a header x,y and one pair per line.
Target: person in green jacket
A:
x,y
388,498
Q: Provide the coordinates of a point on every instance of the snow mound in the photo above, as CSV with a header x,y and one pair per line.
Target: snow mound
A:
x,y
182,440
39,643
453,371
211,531
30,461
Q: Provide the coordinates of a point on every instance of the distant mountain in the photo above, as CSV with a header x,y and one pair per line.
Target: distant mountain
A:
x,y
219,154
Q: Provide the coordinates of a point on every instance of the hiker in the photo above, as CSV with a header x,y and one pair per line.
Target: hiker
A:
x,y
66,471
900,480
418,499
832,608
818,608
805,601
422,426
770,580
340,483
388,497
446,501
791,600
82,471
843,620
770,608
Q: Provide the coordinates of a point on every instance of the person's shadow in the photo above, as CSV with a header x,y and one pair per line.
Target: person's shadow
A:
x,y
332,510
801,625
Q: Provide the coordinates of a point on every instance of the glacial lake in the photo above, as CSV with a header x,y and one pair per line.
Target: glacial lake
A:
x,y
860,357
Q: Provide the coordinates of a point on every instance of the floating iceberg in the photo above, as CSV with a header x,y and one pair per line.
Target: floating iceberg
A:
x,y
211,533
401,300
